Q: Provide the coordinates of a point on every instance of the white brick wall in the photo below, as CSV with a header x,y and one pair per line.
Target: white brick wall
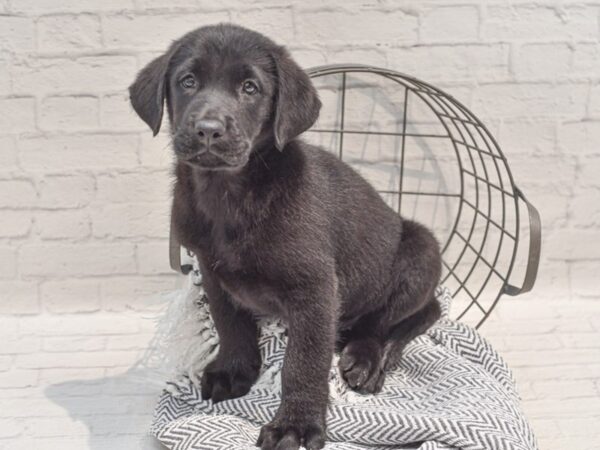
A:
x,y
84,188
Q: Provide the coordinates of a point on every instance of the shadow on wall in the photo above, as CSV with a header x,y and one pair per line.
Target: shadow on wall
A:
x,y
117,410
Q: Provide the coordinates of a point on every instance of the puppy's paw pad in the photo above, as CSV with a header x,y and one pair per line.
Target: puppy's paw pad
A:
x,y
360,365
276,436
226,383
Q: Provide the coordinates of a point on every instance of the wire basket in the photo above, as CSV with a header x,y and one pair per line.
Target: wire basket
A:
x,y
432,160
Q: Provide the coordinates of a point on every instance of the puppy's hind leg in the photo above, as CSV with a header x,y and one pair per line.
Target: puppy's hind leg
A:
x,y
375,347
378,338
361,360
402,333
417,270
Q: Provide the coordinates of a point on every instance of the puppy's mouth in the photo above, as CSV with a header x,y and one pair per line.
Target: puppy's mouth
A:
x,y
208,160
212,157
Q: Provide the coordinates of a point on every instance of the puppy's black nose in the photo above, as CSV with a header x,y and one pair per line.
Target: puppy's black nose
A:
x,y
209,128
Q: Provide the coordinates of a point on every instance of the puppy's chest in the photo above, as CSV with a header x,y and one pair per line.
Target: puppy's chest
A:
x,y
234,258
251,291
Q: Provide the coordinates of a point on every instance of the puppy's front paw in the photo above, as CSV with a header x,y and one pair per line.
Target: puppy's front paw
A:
x,y
290,435
224,381
361,366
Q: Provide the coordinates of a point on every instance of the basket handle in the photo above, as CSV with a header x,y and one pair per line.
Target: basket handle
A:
x,y
535,241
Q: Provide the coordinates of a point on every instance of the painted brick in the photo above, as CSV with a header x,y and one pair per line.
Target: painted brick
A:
x,y
561,389
55,376
58,427
17,193
317,57
77,325
149,220
17,34
15,223
550,171
572,244
69,113
100,152
140,293
530,100
60,260
538,22
579,137
63,224
129,31
15,344
58,33
70,296
10,428
153,258
457,62
583,278
74,359
116,113
389,27
543,61
6,362
18,378
17,114
130,342
8,262
19,297
4,77
277,23
527,137
75,344
584,208
156,151
21,407
586,59
66,191
580,340
589,168
87,74
133,187
50,6
161,4
8,155
594,107
449,24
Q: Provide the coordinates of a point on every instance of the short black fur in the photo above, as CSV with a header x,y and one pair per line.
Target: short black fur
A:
x,y
283,228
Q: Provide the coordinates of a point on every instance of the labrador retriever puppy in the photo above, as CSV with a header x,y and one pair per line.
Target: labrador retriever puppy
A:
x,y
282,228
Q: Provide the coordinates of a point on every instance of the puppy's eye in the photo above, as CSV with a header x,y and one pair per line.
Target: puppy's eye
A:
x,y
249,87
188,82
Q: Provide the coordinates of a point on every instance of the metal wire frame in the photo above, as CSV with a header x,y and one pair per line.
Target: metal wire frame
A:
x,y
473,144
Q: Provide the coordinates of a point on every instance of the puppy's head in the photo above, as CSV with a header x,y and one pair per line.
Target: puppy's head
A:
x,y
228,90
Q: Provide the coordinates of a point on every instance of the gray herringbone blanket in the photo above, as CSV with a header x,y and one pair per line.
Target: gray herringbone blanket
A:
x,y
452,390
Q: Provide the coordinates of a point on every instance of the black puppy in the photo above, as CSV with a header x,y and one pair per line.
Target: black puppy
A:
x,y
283,228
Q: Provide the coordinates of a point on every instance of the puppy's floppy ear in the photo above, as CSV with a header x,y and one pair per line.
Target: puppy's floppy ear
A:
x,y
148,91
297,104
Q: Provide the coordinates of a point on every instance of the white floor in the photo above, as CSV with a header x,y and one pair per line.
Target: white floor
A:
x,y
66,381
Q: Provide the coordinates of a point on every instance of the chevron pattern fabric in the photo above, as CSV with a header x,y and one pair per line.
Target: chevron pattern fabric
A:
x,y
451,391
